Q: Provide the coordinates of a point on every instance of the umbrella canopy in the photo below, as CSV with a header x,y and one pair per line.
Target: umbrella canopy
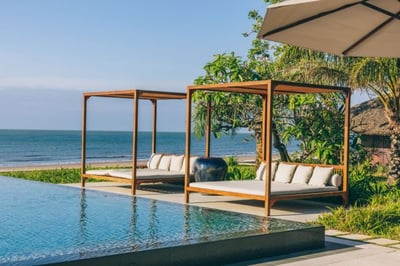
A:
x,y
341,27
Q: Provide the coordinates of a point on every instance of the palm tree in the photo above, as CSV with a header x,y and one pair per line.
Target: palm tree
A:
x,y
382,77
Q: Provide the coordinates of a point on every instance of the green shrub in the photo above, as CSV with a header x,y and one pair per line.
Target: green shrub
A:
x,y
55,176
364,184
231,161
239,172
379,218
375,205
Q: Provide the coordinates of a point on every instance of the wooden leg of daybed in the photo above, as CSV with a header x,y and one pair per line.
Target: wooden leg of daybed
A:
x,y
133,189
186,196
83,179
272,203
268,206
267,210
345,198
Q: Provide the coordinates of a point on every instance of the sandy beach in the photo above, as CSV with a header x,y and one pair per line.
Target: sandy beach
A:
x,y
66,166
241,159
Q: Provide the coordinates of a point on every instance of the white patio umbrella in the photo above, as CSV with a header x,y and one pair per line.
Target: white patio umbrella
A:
x,y
341,27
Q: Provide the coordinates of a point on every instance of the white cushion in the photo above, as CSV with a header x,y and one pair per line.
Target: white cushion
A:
x,y
273,170
154,161
260,171
191,166
284,173
183,164
320,176
335,180
255,187
302,174
165,162
176,163
148,162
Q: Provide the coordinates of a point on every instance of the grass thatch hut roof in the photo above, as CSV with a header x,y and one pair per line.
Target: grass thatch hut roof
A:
x,y
368,118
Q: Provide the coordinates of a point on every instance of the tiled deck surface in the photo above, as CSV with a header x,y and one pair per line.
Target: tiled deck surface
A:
x,y
342,248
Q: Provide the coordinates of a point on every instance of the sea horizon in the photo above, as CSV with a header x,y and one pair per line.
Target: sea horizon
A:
x,y
42,147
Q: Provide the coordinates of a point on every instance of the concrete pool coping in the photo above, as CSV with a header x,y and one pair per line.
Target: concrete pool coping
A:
x,y
341,248
218,252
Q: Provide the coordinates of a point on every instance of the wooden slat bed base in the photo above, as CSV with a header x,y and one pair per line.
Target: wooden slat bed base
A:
x,y
129,181
107,178
274,198
225,193
310,195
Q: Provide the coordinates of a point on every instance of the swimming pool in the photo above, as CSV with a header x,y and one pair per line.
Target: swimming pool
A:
x,y
43,223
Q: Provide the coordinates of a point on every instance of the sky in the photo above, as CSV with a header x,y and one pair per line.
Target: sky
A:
x,y
53,51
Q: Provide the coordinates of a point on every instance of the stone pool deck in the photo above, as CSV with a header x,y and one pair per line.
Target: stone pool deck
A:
x,y
341,248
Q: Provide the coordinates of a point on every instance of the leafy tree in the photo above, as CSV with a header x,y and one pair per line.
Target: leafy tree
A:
x,y
317,120
232,111
311,113
382,77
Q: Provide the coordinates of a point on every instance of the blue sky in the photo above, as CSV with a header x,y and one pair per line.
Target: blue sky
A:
x,y
53,51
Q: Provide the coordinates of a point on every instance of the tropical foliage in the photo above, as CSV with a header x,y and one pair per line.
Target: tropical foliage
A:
x,y
237,171
382,77
230,111
379,219
55,176
375,206
294,116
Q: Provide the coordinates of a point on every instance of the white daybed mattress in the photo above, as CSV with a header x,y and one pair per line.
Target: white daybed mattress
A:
x,y
257,187
141,173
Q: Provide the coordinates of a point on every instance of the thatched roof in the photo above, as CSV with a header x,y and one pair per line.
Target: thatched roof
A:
x,y
368,118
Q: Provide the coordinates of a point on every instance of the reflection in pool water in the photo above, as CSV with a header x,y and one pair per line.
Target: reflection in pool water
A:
x,y
42,223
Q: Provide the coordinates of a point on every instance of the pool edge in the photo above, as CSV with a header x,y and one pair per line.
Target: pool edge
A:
x,y
220,251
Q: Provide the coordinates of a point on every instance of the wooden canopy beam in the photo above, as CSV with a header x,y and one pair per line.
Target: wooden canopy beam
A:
x,y
136,96
267,89
134,143
208,130
83,136
154,128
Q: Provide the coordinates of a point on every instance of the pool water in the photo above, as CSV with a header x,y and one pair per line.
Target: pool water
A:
x,y
43,223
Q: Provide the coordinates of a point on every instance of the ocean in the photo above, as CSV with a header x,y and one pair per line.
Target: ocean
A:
x,y
56,147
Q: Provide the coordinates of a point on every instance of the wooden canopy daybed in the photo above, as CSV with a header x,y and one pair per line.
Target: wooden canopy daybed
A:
x,y
268,190
133,175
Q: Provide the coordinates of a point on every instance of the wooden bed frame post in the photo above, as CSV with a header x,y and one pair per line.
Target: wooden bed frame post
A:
x,y
83,148
154,128
135,96
208,129
268,146
267,89
263,128
134,140
346,148
188,139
